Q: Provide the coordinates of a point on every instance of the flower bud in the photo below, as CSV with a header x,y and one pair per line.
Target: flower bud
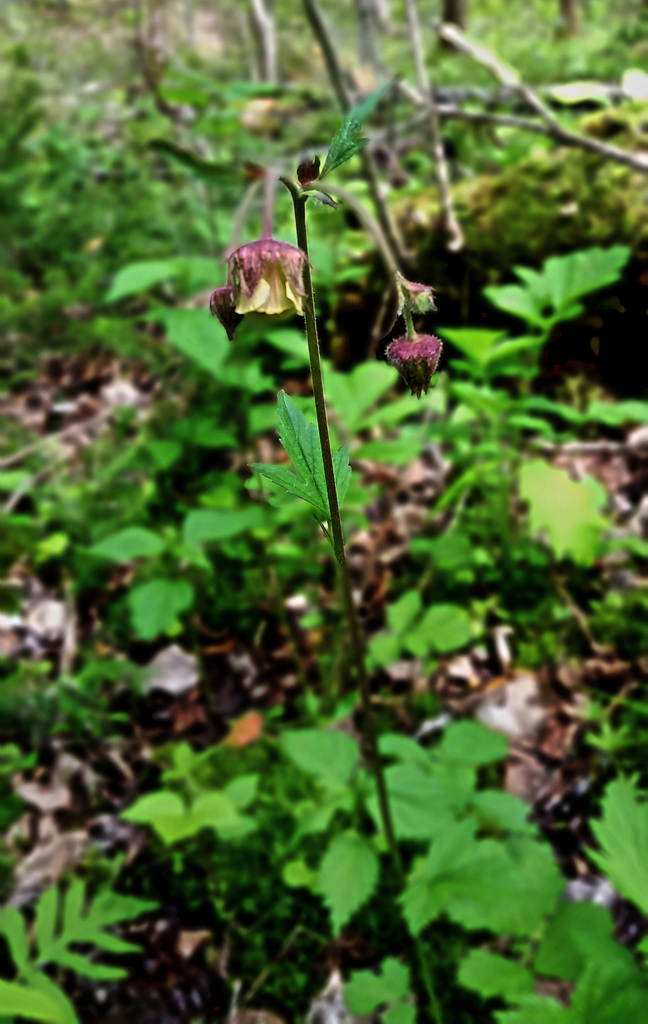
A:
x,y
267,277
223,305
415,360
418,297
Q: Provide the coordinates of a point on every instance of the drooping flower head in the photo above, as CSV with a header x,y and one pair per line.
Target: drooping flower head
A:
x,y
222,303
415,360
267,277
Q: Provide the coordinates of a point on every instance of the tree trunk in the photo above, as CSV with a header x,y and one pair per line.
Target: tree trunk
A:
x,y
454,11
568,18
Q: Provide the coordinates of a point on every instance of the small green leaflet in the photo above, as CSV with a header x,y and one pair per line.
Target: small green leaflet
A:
x,y
173,820
347,876
302,443
347,141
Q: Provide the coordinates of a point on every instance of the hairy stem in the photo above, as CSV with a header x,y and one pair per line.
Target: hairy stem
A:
x,y
337,536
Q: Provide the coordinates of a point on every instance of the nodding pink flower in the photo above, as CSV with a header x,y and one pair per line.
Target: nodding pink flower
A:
x,y
222,303
267,277
415,360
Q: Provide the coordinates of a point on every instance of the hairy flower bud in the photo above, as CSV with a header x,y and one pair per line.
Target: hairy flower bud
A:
x,y
267,277
222,303
416,360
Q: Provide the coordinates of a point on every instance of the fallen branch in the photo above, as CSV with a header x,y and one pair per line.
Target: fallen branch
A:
x,y
550,126
450,222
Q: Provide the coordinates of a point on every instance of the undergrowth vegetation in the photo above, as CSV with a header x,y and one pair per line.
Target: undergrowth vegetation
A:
x,y
318,698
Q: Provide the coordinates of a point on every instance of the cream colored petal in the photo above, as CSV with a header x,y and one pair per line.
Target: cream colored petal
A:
x,y
256,301
277,300
295,299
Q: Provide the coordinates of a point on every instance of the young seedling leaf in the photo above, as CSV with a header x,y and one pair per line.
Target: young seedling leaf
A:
x,y
365,991
133,542
493,975
347,140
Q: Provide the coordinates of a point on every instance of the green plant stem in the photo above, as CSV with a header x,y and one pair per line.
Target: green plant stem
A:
x,y
299,202
407,313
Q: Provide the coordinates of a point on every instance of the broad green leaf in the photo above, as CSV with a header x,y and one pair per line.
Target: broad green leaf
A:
x,y
198,335
347,876
139,277
471,743
496,807
550,294
292,343
535,1010
242,791
477,343
352,394
400,1013
156,604
347,141
384,649
204,526
134,542
325,752
568,512
395,744
578,935
419,802
606,995
616,414
622,834
403,613
505,887
19,1000
443,628
297,875
493,975
365,991
342,472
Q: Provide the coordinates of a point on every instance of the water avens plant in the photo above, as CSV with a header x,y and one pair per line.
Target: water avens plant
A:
x,y
270,276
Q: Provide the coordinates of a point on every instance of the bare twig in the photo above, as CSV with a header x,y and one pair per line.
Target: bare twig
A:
x,y
263,28
42,442
450,223
345,99
552,127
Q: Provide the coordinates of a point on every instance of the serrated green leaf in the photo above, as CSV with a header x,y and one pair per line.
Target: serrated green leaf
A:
x,y
568,512
347,141
496,807
493,975
365,991
347,876
133,542
419,803
622,834
578,935
327,753
505,887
